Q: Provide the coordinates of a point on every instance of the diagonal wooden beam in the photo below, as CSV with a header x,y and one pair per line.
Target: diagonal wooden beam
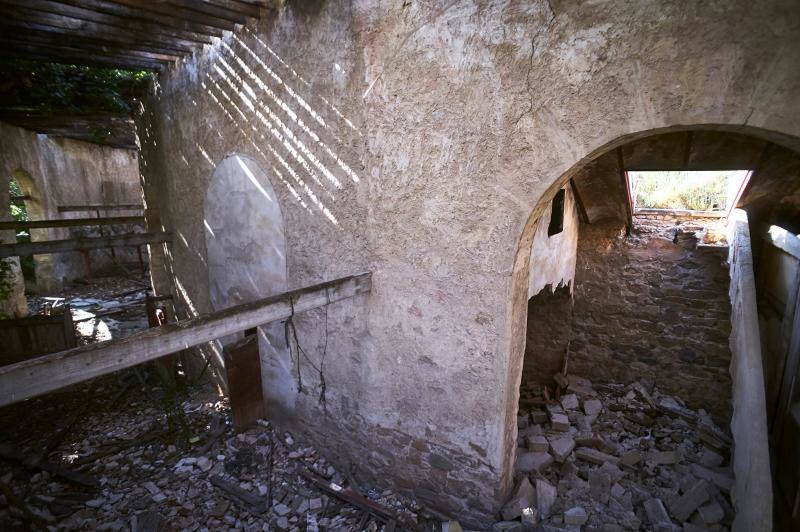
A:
x,y
44,374
579,202
627,190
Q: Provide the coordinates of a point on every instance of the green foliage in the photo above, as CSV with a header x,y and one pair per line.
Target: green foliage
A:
x,y
699,191
52,87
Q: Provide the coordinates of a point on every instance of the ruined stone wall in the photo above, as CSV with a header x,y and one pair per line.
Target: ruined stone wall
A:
x,y
548,336
648,308
416,141
58,171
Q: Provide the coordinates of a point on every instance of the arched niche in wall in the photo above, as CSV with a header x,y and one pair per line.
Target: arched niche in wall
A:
x,y
244,231
246,254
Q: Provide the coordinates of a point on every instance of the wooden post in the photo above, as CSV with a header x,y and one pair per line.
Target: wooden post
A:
x,y
243,370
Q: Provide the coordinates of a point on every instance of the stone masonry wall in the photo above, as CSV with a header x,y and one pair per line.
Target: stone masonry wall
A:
x,y
548,335
648,308
415,140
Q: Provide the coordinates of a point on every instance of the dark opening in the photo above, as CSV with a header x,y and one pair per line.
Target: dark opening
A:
x,y
557,215
251,331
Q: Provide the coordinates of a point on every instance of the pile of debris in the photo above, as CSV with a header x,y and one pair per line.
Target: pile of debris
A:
x,y
110,307
614,458
144,468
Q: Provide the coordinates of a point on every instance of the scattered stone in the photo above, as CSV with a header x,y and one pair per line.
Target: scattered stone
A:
x,y
559,422
532,461
663,458
576,516
682,507
631,458
711,513
538,443
507,526
538,417
151,487
570,402
523,421
656,513
529,519
594,456
562,448
452,526
592,407
546,495
720,480
710,459
523,497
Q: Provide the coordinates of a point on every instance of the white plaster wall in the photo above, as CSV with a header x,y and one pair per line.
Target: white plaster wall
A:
x,y
246,253
68,172
553,258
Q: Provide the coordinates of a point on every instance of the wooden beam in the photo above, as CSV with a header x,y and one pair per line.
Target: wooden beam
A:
x,y
579,202
72,222
213,9
77,56
627,186
106,129
82,244
90,20
101,207
201,33
44,374
163,9
15,27
47,38
73,57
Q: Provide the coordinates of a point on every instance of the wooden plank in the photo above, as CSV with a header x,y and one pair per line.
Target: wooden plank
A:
x,y
166,10
198,32
243,371
89,22
12,28
93,46
72,57
101,207
25,249
213,9
72,222
50,372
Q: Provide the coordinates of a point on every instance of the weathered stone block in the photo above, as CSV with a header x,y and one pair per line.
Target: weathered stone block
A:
x,y
559,422
682,508
538,443
530,461
570,402
656,513
546,495
592,407
576,516
562,448
594,456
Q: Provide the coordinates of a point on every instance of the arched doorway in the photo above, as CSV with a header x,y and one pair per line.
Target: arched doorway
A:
x,y
246,253
608,298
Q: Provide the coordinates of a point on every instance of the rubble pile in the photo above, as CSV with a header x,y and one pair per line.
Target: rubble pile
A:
x,y
110,307
147,467
613,458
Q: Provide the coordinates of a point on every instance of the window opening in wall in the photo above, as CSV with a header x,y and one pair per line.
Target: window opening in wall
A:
x,y
20,214
557,214
687,190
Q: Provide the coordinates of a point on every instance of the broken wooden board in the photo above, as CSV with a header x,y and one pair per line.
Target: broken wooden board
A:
x,y
243,370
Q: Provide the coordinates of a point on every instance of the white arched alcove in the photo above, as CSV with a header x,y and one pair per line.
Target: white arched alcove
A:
x,y
246,253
